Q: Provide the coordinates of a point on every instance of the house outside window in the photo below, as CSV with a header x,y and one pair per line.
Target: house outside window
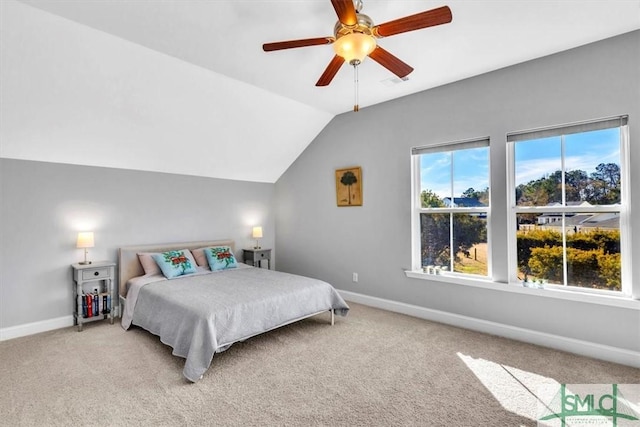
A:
x,y
451,208
569,202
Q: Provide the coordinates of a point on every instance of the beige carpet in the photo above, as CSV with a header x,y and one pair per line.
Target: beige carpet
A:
x,y
373,368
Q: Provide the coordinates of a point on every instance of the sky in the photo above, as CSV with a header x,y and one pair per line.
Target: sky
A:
x,y
470,170
583,151
533,159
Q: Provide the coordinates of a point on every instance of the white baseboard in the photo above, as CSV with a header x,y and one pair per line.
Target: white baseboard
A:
x,y
583,348
42,326
35,327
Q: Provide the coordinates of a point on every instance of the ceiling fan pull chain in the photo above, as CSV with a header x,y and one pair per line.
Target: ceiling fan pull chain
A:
x,y
356,107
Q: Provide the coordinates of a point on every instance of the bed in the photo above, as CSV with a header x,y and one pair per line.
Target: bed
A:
x,y
205,312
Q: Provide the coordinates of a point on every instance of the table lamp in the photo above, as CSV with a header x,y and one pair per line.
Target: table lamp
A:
x,y
85,240
257,234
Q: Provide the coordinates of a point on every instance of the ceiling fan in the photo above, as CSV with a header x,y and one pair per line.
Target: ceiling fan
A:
x,y
355,38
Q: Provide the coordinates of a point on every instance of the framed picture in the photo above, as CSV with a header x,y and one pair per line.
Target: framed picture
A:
x,y
349,186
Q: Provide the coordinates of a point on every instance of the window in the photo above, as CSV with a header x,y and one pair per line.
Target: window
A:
x,y
451,208
569,199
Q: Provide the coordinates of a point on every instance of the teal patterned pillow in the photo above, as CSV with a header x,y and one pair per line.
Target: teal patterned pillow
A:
x,y
175,263
220,258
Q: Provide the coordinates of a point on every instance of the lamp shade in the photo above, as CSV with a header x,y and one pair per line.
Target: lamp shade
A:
x,y
354,47
85,239
257,232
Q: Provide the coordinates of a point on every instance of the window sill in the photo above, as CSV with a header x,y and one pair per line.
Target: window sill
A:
x,y
614,301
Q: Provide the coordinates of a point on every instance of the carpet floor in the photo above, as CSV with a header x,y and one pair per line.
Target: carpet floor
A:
x,y
373,368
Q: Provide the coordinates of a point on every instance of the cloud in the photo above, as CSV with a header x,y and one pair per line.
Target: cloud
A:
x,y
529,170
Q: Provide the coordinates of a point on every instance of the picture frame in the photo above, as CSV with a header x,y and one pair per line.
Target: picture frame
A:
x,y
349,186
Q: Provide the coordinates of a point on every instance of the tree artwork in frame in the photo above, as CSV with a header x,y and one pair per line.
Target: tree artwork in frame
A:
x,y
349,186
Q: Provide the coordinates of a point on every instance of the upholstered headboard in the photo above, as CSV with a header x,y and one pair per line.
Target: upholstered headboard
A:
x,y
129,265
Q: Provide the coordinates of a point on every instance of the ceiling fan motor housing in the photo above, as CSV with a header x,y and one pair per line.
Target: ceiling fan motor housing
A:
x,y
363,25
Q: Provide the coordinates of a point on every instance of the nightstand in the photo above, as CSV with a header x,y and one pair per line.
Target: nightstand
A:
x,y
93,291
256,256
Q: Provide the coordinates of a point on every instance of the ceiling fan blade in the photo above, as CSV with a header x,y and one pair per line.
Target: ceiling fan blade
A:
x,y
268,47
331,71
430,18
390,62
346,11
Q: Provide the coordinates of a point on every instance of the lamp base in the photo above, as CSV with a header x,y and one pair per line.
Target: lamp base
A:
x,y
85,262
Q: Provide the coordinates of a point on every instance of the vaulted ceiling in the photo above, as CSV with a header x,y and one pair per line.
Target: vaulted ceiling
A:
x,y
184,86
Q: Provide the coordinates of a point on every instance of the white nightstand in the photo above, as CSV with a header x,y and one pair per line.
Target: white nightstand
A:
x,y
88,278
255,256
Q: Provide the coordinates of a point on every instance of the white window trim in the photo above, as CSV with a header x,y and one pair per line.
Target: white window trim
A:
x,y
603,297
625,239
417,209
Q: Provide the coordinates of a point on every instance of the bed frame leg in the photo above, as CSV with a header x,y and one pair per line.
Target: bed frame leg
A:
x,y
333,313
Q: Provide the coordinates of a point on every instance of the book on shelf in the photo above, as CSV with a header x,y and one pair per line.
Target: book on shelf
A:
x,y
105,303
96,304
89,301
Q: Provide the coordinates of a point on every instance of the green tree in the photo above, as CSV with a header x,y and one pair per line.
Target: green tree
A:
x,y
533,193
435,239
348,179
470,193
546,263
526,242
576,184
609,265
483,196
600,188
430,199
582,268
435,231
605,184
468,230
593,258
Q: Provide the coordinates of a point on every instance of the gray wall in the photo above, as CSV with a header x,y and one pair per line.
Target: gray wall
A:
x,y
316,238
44,205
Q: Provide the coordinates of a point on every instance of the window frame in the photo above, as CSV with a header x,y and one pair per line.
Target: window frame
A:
x,y
417,209
623,208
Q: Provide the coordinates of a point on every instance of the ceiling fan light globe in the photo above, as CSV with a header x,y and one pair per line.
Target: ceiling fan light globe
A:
x,y
354,47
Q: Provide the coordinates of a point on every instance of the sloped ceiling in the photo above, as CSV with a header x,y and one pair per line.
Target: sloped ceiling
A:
x,y
184,86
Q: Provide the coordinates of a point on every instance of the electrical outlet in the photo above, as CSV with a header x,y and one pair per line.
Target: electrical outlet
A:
x,y
95,289
355,277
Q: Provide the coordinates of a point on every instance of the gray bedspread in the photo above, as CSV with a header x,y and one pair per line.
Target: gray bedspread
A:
x,y
201,315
